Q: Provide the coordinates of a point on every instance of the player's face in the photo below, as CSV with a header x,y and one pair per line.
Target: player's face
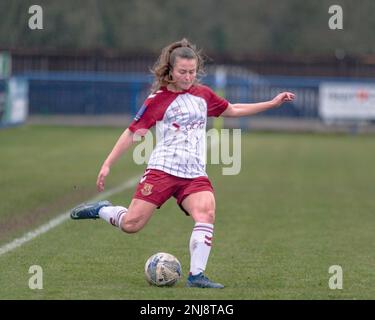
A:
x,y
184,73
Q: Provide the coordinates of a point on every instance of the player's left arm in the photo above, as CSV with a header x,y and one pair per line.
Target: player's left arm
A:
x,y
246,109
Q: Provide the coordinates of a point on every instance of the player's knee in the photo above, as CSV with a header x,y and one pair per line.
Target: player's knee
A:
x,y
205,215
131,225
210,215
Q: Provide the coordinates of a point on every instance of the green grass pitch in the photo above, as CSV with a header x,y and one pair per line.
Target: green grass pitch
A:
x,y
302,203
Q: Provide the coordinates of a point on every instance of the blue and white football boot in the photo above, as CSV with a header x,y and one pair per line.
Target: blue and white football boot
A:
x,y
89,210
201,281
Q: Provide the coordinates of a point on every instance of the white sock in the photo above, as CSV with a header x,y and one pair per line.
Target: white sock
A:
x,y
113,215
200,246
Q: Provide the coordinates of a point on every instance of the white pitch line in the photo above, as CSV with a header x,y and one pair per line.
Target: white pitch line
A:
x,y
66,215
62,217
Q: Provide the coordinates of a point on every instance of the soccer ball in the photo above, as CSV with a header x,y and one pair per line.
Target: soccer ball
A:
x,y
162,269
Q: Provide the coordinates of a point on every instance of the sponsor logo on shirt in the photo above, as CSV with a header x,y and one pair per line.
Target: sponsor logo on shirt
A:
x,y
175,126
195,125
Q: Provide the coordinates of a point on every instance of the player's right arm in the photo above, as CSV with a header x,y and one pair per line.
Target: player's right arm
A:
x,y
122,145
144,120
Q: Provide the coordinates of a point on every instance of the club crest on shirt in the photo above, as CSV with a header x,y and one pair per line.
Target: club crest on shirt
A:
x,y
147,189
176,110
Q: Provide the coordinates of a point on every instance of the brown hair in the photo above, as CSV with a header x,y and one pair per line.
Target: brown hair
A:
x,y
165,63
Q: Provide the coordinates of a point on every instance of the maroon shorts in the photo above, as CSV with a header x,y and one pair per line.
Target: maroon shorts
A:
x,y
157,187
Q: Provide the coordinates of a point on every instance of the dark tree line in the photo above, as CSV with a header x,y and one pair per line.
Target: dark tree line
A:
x,y
234,27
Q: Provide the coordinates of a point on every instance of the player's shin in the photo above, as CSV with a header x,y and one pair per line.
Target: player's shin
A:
x,y
113,214
200,247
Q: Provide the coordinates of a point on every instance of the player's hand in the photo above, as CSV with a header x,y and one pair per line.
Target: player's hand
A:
x,y
104,171
282,97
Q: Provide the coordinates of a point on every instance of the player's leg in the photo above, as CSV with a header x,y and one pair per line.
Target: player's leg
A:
x,y
129,220
150,193
201,207
139,213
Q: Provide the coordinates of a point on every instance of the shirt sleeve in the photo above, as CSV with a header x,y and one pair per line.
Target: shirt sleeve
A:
x,y
144,119
215,105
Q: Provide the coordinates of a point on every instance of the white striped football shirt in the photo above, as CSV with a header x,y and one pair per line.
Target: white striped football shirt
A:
x,y
180,119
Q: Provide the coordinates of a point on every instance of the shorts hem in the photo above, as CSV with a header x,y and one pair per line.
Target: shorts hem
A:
x,y
148,200
179,202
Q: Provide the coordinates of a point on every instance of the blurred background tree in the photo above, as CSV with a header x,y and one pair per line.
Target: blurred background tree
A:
x,y
235,27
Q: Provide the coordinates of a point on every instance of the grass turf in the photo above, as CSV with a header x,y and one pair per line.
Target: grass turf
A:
x,y
301,203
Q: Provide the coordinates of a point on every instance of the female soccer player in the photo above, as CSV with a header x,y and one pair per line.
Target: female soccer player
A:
x,y
179,107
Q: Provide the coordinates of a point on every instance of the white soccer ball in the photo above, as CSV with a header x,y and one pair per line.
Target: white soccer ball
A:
x,y
162,269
